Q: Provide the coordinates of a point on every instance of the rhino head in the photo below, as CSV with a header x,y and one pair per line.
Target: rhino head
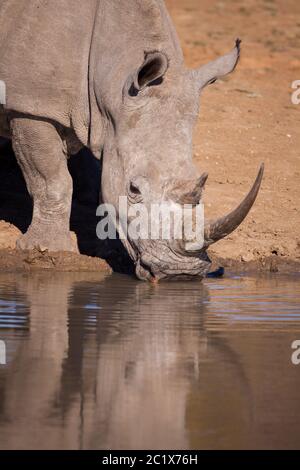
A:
x,y
147,157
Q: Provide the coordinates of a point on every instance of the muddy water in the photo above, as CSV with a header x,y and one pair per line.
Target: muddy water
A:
x,y
108,362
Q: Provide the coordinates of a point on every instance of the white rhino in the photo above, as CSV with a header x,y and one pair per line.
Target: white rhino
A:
x,y
108,75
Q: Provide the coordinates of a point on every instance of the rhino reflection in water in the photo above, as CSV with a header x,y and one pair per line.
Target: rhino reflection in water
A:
x,y
110,76
93,372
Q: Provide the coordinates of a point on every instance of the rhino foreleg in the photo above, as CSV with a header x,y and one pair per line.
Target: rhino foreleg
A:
x,y
39,152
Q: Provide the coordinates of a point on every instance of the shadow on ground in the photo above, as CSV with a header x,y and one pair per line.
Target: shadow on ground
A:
x,y
16,205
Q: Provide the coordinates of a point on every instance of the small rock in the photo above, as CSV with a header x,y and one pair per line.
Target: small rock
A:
x,y
247,257
9,234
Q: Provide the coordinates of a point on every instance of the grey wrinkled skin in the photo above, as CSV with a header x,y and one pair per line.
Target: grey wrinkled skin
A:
x,y
108,75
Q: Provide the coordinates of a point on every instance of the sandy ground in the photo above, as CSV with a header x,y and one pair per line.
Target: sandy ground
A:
x,y
246,119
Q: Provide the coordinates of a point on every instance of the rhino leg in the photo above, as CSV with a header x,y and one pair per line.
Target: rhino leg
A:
x,y
39,151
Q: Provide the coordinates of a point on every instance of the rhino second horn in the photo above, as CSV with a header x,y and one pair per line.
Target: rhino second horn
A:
x,y
220,228
193,197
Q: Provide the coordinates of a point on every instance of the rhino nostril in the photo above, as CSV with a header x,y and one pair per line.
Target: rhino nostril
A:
x,y
143,272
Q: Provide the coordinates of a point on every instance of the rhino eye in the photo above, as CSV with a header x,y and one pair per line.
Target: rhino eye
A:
x,y
134,193
134,189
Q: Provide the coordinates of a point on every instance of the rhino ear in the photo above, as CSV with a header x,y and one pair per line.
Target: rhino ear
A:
x,y
153,69
218,68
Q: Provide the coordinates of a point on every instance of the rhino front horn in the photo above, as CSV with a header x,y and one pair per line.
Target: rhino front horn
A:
x,y
217,229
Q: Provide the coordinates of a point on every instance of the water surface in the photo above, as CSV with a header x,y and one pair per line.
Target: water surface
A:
x,y
107,362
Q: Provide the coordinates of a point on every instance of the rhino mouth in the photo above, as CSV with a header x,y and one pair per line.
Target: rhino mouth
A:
x,y
160,262
150,268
